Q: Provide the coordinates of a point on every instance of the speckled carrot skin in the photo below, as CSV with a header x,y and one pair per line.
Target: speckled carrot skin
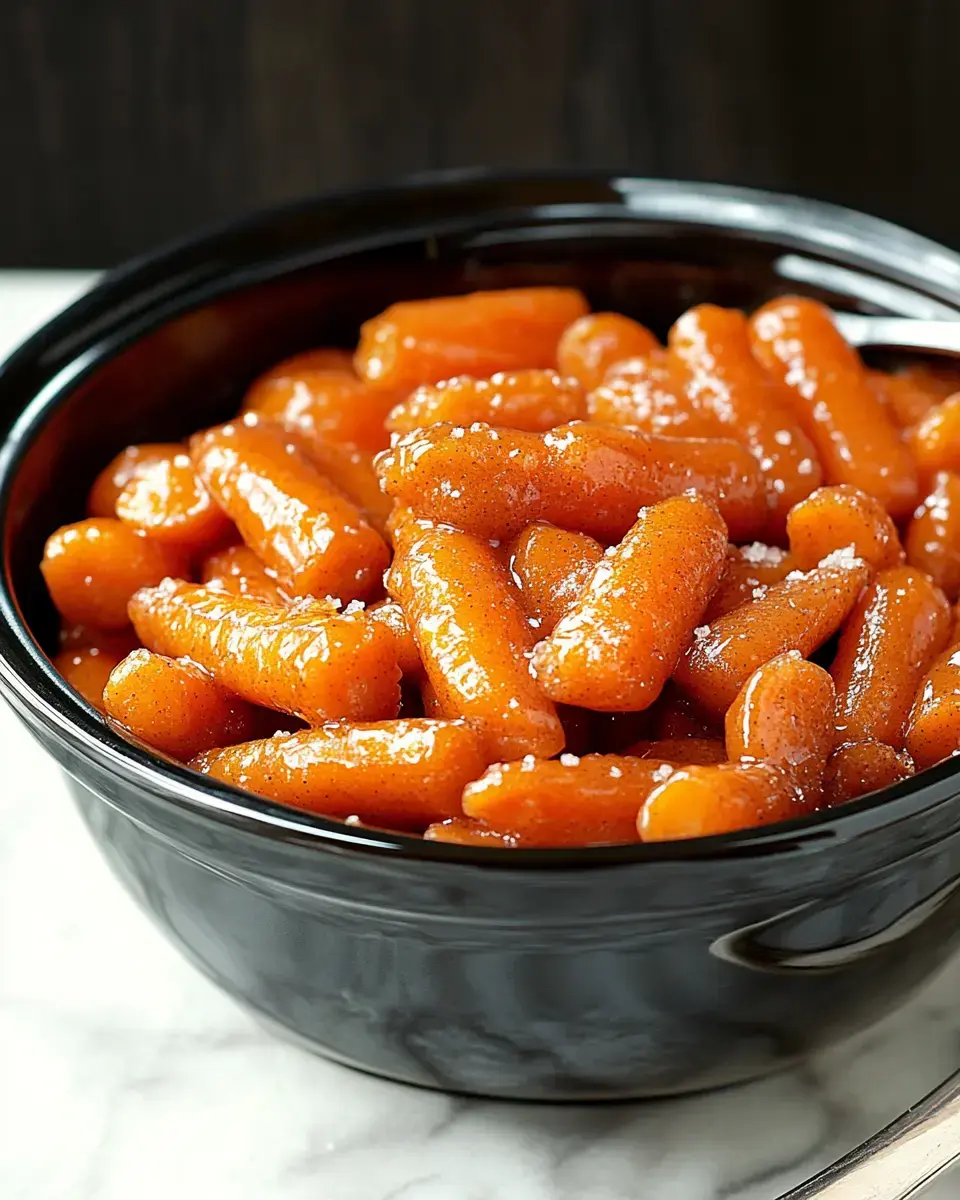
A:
x,y
401,774
857,768
128,465
424,341
567,802
748,572
298,523
856,441
176,706
798,614
837,517
933,536
711,346
351,471
620,641
681,751
240,572
595,342
934,441
551,567
933,726
93,567
301,661
167,500
390,615
897,628
531,400
700,801
648,394
473,638
587,478
784,715
463,831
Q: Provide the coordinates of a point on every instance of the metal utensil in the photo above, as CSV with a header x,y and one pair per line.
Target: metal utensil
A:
x,y
900,333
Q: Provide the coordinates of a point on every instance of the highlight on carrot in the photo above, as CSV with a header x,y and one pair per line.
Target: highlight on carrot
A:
x,y
593,343
856,769
531,400
128,465
838,518
551,567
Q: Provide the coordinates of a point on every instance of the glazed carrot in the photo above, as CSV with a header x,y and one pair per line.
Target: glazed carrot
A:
x,y
551,567
933,727
797,341
711,346
323,358
128,465
93,567
87,657
326,405
748,572
389,614
647,394
619,642
593,479
531,400
681,751
933,536
298,523
904,397
402,774
897,628
857,768
240,572
934,441
302,660
567,802
939,377
700,801
593,343
834,518
473,638
461,831
176,706
784,715
798,614
167,500
350,470
423,341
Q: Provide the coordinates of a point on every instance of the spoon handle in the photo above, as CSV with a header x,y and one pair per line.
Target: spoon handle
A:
x,y
899,1161
900,333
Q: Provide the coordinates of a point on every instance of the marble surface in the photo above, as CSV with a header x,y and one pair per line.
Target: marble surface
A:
x,y
124,1074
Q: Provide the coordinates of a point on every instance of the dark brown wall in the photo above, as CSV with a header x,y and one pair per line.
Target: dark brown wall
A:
x,y
123,122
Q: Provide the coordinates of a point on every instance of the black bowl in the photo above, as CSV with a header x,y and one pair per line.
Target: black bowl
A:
x,y
561,975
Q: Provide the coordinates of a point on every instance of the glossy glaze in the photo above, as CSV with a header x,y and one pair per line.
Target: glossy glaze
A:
x,y
630,971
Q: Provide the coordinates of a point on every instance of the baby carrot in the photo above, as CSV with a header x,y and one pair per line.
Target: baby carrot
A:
x,y
390,615
87,656
857,768
240,572
648,394
474,639
834,518
551,567
531,400
401,774
621,639
748,572
301,660
129,464
462,831
933,727
350,470
933,536
593,343
167,500
904,397
935,440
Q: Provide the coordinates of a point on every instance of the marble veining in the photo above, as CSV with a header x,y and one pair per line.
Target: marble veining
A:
x,y
124,1073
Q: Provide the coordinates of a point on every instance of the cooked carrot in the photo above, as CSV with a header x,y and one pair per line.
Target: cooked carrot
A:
x,y
648,394
784,715
834,518
748,573
900,624
176,706
531,400
389,614
424,341
323,358
93,567
350,470
933,536
473,638
711,346
298,523
301,660
903,396
323,405
857,768
167,500
401,774
240,572
128,465
83,637
551,567
593,479
619,642
798,614
939,376
567,802
933,727
593,343
461,831
857,443
681,751
935,440
700,801
88,656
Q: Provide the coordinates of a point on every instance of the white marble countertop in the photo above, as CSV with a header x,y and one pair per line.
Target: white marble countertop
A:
x,y
125,1075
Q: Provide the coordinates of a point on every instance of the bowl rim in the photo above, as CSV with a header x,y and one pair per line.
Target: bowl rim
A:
x,y
61,711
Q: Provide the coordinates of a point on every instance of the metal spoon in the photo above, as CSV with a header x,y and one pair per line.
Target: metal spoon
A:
x,y
900,333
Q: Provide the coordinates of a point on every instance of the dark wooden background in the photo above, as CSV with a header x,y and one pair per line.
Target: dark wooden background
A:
x,y
123,122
